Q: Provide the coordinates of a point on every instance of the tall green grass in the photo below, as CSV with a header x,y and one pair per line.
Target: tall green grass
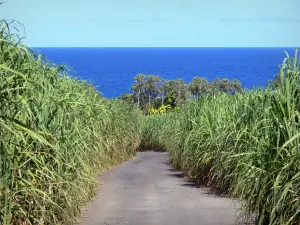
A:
x,y
56,133
246,145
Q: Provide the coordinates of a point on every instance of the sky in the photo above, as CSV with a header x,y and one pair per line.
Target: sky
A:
x,y
157,23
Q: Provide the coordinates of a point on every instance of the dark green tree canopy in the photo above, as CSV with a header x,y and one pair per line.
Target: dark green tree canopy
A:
x,y
154,91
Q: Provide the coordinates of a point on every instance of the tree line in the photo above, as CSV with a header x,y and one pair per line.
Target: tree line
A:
x,y
153,91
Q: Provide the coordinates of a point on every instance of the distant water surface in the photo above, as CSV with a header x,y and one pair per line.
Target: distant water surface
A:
x,y
112,69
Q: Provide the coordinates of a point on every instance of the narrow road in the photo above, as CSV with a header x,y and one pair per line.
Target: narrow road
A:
x,y
147,191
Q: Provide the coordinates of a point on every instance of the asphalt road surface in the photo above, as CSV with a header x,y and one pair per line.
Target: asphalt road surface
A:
x,y
147,191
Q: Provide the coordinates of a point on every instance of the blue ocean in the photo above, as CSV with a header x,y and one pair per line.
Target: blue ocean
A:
x,y
112,70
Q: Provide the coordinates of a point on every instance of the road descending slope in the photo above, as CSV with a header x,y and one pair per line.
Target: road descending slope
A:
x,y
147,191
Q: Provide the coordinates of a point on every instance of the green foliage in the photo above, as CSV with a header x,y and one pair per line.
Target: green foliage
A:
x,y
127,98
56,134
177,90
152,92
200,86
151,133
246,145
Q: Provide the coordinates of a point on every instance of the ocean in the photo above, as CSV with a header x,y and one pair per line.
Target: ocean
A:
x,y
112,70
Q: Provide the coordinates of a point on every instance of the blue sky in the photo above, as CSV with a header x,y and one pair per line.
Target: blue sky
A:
x,y
157,23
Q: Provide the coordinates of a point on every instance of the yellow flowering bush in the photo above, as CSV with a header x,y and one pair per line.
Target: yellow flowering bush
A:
x,y
161,110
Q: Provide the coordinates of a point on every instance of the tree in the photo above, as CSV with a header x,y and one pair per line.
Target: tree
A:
x,y
139,87
275,83
199,86
236,86
175,91
161,89
127,97
180,90
151,91
226,86
152,88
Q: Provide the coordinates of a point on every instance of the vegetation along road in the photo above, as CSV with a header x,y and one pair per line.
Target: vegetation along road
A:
x,y
148,191
58,132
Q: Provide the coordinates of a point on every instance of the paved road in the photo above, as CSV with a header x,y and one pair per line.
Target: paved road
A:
x,y
147,191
